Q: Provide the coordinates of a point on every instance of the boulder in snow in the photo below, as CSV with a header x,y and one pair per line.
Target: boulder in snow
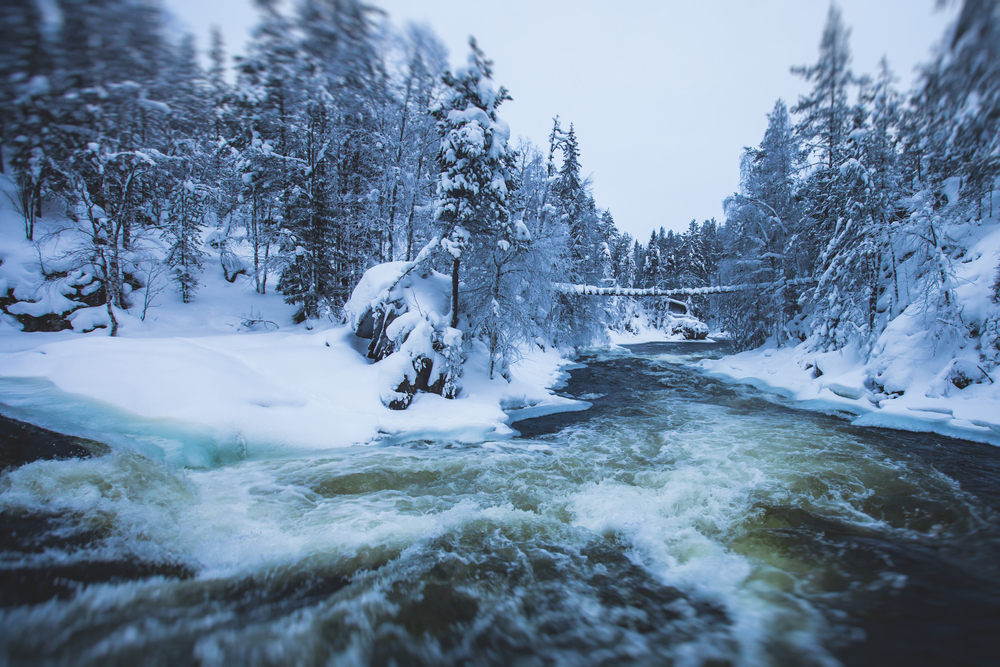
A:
x,y
405,314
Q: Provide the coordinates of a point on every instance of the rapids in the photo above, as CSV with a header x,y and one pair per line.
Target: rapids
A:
x,y
678,521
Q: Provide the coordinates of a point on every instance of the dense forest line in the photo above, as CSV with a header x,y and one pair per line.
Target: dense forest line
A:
x,y
876,196
339,142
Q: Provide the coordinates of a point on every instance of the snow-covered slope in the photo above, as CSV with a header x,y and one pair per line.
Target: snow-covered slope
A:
x,y
228,376
911,380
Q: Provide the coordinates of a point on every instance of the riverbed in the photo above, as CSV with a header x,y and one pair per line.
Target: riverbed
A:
x,y
680,520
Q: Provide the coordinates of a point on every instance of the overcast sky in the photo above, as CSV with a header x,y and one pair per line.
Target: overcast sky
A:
x,y
663,95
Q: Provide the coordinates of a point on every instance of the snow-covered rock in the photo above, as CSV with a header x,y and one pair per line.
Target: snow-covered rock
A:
x,y
636,325
687,327
405,311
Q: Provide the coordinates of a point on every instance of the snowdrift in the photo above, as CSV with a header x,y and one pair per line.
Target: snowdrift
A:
x,y
229,377
912,380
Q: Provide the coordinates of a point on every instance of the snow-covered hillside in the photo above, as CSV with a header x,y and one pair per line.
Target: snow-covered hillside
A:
x,y
223,377
912,379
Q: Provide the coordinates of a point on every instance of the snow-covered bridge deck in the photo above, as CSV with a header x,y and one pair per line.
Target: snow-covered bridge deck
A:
x,y
593,290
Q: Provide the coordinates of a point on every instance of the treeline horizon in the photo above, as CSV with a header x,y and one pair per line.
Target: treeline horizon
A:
x,y
344,142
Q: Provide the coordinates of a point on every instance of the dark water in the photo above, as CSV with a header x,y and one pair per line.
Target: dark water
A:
x,y
679,521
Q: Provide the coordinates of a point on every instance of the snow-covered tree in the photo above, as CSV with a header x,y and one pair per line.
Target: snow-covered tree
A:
x,y
413,63
27,102
825,112
577,321
762,236
856,266
186,215
474,185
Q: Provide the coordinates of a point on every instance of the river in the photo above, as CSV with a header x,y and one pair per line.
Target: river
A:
x,y
678,521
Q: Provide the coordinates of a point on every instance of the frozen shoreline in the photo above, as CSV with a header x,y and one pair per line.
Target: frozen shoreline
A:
x,y
215,399
917,375
202,401
925,407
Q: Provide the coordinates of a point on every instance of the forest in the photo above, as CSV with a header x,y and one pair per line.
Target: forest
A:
x,y
339,142
306,358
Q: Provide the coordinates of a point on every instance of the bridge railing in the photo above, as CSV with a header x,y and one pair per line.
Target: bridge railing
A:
x,y
593,290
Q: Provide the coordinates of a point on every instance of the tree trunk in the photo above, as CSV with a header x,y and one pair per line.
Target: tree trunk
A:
x,y
112,276
114,321
263,279
454,294
392,222
127,230
494,333
409,229
255,225
112,288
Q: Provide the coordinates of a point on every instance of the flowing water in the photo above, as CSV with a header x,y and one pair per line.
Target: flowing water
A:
x,y
679,521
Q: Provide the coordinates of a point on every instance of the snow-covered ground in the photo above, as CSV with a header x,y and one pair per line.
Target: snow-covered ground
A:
x,y
972,413
195,383
195,400
907,383
642,331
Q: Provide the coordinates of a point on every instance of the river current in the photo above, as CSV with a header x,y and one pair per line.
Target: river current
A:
x,y
679,521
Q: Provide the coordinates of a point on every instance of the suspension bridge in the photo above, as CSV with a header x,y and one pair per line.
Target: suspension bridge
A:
x,y
593,290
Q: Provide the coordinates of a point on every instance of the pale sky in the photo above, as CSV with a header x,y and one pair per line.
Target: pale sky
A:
x,y
663,95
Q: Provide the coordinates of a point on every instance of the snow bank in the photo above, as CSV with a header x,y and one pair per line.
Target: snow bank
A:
x,y
229,376
911,380
198,401
843,385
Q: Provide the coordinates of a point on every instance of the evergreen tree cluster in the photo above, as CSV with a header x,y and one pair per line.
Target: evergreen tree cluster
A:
x,y
669,260
336,143
873,194
308,162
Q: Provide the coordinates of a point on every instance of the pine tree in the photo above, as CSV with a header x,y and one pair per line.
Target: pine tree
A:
x,y
573,203
580,321
825,113
856,264
763,236
474,185
27,102
957,125
951,145
184,168
185,257
219,90
261,152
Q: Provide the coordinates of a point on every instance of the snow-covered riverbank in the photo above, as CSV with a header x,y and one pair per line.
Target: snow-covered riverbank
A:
x,y
224,377
919,376
195,399
929,403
